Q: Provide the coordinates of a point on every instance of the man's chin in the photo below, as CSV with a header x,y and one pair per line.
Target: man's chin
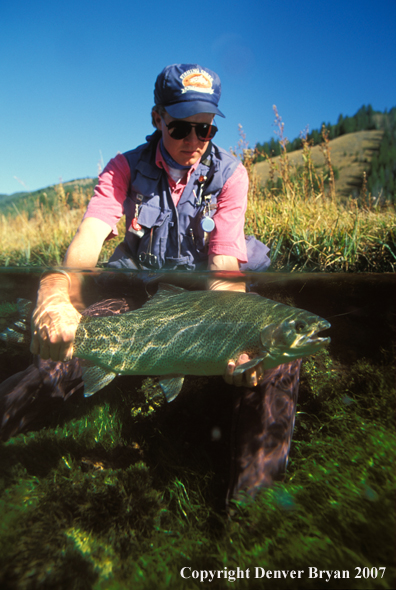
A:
x,y
188,158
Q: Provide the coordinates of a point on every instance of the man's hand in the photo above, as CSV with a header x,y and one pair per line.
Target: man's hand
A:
x,y
54,320
250,378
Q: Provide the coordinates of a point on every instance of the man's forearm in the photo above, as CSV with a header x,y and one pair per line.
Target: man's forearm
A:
x,y
86,245
219,263
84,252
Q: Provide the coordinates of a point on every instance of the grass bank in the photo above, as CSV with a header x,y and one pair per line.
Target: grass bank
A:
x,y
38,232
298,214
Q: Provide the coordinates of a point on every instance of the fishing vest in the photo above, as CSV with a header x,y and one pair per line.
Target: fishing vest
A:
x,y
161,235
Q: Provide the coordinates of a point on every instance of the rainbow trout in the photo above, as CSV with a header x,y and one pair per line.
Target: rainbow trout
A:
x,y
179,332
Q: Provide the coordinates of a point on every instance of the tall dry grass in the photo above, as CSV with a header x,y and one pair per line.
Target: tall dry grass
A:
x,y
307,226
300,217
43,237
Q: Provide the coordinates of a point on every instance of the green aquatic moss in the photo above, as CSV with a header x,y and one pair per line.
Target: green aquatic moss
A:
x,y
126,493
101,427
7,309
96,518
147,399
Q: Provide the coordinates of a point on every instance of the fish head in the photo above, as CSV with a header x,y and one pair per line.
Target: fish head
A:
x,y
294,337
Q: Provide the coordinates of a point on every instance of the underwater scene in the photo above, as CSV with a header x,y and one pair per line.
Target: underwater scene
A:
x,y
154,477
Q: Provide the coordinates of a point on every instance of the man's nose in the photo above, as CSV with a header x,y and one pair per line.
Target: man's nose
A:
x,y
192,137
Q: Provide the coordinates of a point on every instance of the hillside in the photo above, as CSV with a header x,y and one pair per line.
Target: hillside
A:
x,y
4,198
28,201
351,155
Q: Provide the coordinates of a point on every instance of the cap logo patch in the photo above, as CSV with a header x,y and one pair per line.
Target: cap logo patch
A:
x,y
197,80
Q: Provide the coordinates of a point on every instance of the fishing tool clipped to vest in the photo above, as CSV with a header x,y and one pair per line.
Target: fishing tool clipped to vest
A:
x,y
198,195
135,227
148,257
207,223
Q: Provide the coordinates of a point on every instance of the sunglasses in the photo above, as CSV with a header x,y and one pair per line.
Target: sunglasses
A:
x,y
181,129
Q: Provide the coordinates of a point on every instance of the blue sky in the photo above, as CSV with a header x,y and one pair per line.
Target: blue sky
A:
x,y
77,77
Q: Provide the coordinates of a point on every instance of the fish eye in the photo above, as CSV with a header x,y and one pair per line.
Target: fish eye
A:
x,y
299,326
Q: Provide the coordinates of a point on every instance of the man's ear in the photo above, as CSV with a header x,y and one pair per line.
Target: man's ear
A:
x,y
157,120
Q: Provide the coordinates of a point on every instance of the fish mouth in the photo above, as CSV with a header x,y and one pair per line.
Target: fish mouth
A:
x,y
313,338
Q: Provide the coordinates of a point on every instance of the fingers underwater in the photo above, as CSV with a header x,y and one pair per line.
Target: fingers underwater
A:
x,y
250,378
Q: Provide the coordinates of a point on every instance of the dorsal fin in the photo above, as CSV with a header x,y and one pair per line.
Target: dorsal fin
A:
x,y
165,292
165,289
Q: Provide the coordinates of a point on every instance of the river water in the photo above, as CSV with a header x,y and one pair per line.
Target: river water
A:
x,y
361,309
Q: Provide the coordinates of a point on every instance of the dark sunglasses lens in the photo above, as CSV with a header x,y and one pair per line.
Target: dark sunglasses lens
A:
x,y
205,131
180,130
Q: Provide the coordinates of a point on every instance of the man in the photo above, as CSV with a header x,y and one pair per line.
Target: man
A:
x,y
184,199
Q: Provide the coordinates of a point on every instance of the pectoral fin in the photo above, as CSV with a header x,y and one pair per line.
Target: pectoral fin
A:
x,y
266,336
171,386
95,378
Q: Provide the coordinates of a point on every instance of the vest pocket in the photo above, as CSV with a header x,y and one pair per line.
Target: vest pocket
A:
x,y
151,216
151,249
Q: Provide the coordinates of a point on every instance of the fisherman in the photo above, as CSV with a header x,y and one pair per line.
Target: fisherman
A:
x,y
184,199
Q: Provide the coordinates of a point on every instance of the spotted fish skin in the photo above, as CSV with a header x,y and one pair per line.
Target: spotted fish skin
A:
x,y
181,332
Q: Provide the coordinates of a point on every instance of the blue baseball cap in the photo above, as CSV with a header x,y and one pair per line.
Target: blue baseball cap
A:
x,y
188,89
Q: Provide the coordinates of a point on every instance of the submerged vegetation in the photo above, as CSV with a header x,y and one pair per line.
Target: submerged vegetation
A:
x,y
116,496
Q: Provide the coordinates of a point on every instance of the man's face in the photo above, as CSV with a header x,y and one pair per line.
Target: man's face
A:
x,y
190,149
